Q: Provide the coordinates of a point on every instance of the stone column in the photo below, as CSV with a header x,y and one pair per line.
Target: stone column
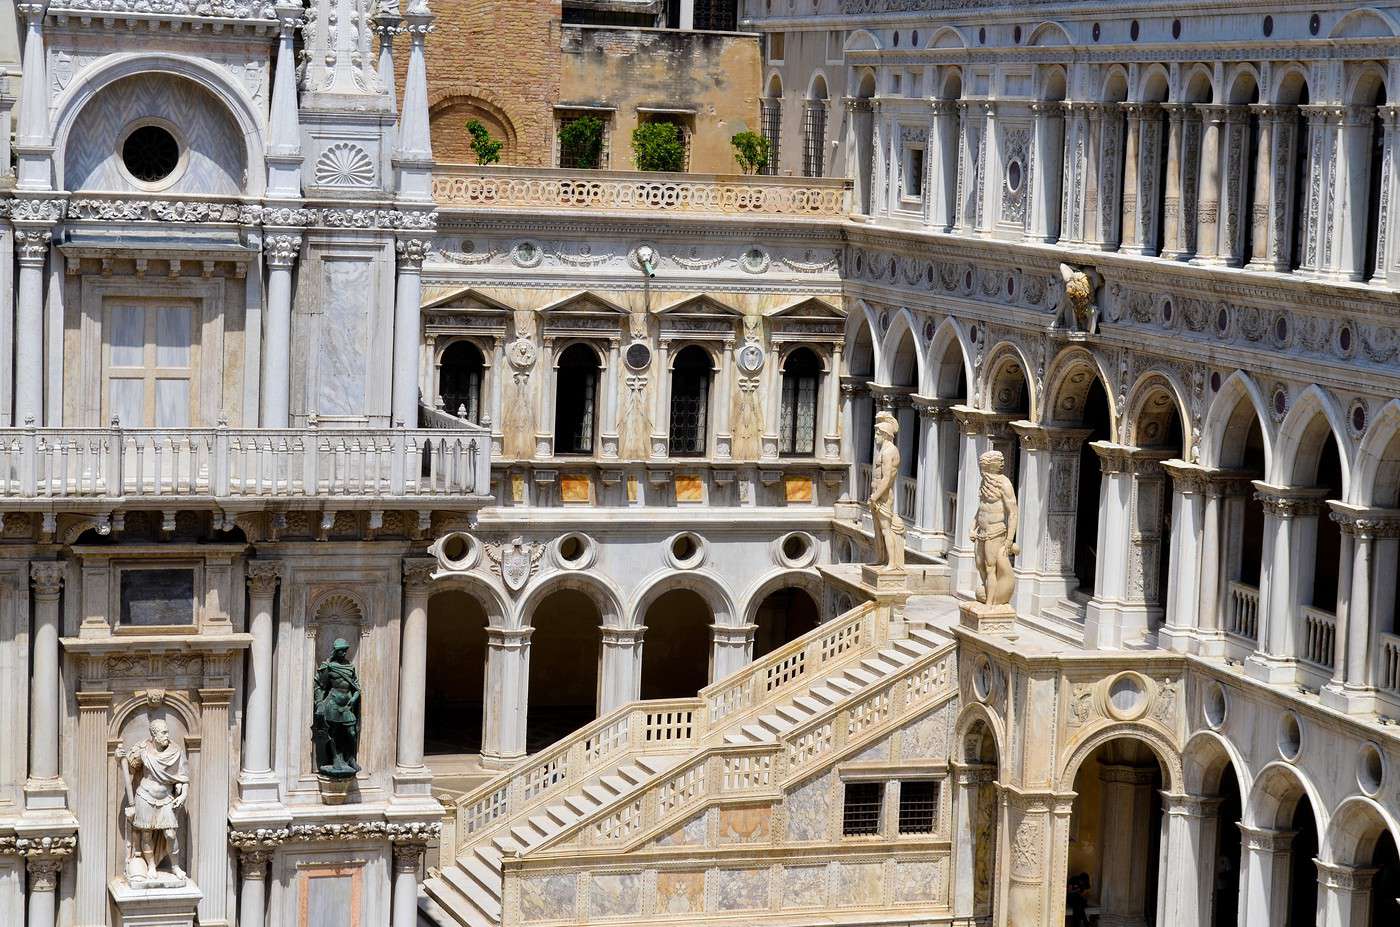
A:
x,y
1075,174
1046,563
500,370
832,404
1350,181
209,800
1150,179
1343,895
1127,798
279,254
1045,223
1208,200
1348,606
732,649
44,788
1324,126
1264,861
43,890
622,667
1187,849
1094,192
1181,620
611,385
546,384
1129,228
1290,537
32,248
1269,173
972,441
661,402
507,694
851,387
408,299
964,209
942,193
928,504
412,777
1210,637
721,399
407,859
256,781
1234,156
1104,617
252,887
878,168
989,170
1173,244
1385,218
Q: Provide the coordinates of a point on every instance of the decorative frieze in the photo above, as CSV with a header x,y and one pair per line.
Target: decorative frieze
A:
x,y
268,838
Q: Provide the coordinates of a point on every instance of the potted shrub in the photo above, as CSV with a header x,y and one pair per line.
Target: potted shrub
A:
x,y
658,146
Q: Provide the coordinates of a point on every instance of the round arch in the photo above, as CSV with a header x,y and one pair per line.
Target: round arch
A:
x,y
214,80
701,582
1204,761
1366,22
1274,795
1242,84
600,591
997,368
818,87
487,595
1354,830
564,345
1067,386
1114,86
1049,33
1154,86
1198,85
1290,84
1157,742
946,37
1151,400
1228,420
773,85
977,713
809,581
862,40
1304,433
1378,461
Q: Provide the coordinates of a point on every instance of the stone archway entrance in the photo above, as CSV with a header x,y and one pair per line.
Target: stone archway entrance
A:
x,y
456,674
564,658
676,649
783,616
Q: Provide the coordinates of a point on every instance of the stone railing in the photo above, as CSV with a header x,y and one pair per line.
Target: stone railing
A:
x,y
1388,672
762,772
1319,641
1242,611
907,495
666,725
865,478
950,514
233,463
473,187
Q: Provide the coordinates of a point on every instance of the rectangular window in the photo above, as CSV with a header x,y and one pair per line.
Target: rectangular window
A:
x,y
813,137
771,110
157,598
918,806
776,43
799,415
682,121
149,365
914,172
585,146
716,15
861,814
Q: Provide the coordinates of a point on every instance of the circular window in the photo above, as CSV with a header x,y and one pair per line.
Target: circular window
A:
x,y
1134,30
1014,176
1176,28
1097,32
1370,770
1215,706
983,677
151,155
686,550
1290,736
458,551
1215,381
575,551
1315,24
982,36
638,355
796,549
1268,26
1127,696
1358,417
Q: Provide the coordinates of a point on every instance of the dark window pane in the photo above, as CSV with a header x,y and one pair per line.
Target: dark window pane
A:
x,y
154,598
690,394
575,400
861,814
918,805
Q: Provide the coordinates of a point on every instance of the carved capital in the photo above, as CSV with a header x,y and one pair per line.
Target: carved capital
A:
x,y
1283,502
418,576
254,862
407,856
282,250
48,578
263,576
1344,878
412,251
43,872
32,246
1264,840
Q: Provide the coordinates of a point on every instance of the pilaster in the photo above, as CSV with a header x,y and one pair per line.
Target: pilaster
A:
x,y
508,689
1290,537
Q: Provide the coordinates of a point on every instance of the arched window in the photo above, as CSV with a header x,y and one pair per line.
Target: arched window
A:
x,y
459,380
797,435
814,130
690,401
771,109
575,398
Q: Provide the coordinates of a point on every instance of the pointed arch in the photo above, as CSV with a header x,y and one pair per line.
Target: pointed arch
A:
x,y
1067,383
901,367
861,341
1376,476
1237,404
941,379
1302,436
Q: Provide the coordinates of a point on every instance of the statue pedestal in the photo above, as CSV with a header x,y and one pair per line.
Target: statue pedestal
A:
x,y
335,790
884,580
987,619
154,907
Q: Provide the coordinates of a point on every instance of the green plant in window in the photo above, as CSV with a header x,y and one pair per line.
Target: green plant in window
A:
x,y
486,148
751,150
658,146
581,142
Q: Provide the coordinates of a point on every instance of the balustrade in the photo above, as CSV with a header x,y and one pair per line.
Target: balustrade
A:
x,y
1388,676
906,493
1319,638
1242,616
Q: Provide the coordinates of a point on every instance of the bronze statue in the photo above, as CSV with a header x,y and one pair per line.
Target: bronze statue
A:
x,y
994,531
336,728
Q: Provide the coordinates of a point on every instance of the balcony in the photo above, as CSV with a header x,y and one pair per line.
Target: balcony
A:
x,y
232,465
457,186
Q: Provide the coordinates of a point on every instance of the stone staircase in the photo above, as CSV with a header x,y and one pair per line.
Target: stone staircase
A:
x,y
601,784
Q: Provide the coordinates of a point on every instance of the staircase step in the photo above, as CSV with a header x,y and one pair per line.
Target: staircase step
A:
x,y
454,903
844,686
546,825
828,694
616,783
809,704
758,734
913,646
633,773
792,714
898,656
525,835
737,740
599,794
487,906
865,677
580,804
482,874
506,844
926,637
880,666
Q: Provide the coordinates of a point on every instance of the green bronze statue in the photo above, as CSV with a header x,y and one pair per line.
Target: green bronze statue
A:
x,y
336,728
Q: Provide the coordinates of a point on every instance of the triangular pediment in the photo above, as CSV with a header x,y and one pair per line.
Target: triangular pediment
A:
x,y
702,305
466,299
584,303
812,307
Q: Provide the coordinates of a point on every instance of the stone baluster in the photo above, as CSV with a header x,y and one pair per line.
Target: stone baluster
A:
x,y
256,781
280,252
412,777
252,886
1208,199
622,666
1048,160
1173,244
1264,862
507,694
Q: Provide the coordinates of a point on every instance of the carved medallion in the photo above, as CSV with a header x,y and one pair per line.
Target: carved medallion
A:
x,y
516,562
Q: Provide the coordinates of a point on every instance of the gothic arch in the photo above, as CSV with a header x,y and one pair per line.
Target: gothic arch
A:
x,y
809,581
1356,826
774,85
1302,436
996,368
940,379
1067,384
901,326
1150,403
1160,745
1376,472
1227,423
861,327
702,583
216,81
600,591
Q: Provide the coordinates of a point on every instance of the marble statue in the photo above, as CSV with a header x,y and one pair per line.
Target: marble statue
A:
x,y
336,727
157,779
889,527
994,531
1077,311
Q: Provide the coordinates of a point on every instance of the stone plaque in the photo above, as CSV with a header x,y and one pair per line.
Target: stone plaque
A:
x,y
157,598
798,488
690,487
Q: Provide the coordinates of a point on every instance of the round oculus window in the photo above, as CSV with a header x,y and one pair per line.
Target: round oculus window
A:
x,y
150,153
1014,176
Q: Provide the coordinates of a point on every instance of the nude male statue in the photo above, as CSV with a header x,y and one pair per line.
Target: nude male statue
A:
x,y
889,527
994,531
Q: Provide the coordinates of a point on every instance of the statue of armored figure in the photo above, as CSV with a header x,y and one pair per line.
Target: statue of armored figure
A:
x,y
336,724
994,531
157,779
889,527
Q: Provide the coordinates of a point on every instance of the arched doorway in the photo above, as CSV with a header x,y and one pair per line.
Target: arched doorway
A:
x,y
575,400
676,649
981,804
564,657
456,674
460,374
1385,884
1214,787
1285,857
1115,833
783,616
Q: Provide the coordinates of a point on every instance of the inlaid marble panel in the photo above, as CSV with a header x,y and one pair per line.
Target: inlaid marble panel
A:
x,y
691,833
616,895
744,825
875,753
805,887
680,892
740,889
344,338
809,810
547,898
859,884
918,881
925,738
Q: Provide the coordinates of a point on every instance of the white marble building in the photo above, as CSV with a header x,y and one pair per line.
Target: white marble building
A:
x,y
539,445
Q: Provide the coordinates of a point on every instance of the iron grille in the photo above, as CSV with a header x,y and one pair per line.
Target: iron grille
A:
x,y
799,421
813,137
861,814
689,401
918,806
772,112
